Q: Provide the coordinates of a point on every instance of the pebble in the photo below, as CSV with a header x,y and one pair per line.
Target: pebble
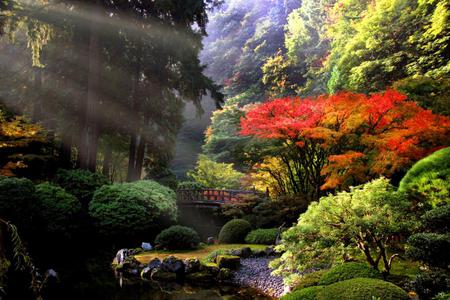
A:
x,y
255,273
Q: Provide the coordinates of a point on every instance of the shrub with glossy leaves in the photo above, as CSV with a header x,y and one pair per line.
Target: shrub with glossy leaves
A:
x,y
348,271
262,236
437,219
133,207
362,288
178,238
80,183
309,293
58,209
17,201
428,284
190,185
430,178
234,231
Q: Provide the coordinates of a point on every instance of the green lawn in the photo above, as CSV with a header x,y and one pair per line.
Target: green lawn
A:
x,y
199,253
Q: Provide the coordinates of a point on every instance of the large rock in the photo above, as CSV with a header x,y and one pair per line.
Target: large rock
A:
x,y
210,241
173,265
270,251
191,265
160,275
210,268
228,261
244,252
146,246
154,264
225,274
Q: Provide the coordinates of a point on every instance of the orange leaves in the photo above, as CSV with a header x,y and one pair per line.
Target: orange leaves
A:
x,y
365,135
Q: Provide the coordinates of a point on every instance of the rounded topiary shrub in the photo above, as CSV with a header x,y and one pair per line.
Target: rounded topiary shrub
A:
x,y
431,248
190,185
262,236
430,178
309,293
80,183
178,238
309,279
348,271
362,288
234,231
17,203
58,209
132,207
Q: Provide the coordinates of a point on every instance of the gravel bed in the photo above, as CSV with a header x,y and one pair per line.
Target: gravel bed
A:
x,y
255,273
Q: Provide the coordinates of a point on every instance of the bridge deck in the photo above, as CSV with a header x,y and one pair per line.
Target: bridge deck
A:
x,y
213,197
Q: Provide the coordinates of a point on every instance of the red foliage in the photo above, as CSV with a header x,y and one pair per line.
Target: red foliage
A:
x,y
364,136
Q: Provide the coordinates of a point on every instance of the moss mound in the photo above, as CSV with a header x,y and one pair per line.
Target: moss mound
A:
x,y
178,238
310,279
262,236
234,232
348,271
309,293
362,288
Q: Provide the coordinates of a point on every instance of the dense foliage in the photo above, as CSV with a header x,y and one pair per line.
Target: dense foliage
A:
x,y
346,139
190,185
308,293
362,288
81,183
262,236
335,228
429,178
177,238
349,271
234,232
57,209
129,208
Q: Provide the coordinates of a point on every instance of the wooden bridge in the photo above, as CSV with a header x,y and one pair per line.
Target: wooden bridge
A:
x,y
214,197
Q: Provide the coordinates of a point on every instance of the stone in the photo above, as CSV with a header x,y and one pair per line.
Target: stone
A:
x,y
211,240
154,264
172,264
225,274
146,246
146,273
191,265
121,255
259,253
228,261
270,251
243,253
210,268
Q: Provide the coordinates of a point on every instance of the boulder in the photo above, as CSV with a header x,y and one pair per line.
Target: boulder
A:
x,y
146,246
211,240
210,268
121,255
228,261
191,265
244,252
160,275
270,251
172,264
259,253
154,264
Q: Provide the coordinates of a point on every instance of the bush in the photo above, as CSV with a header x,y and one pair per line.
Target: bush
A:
x,y
129,207
362,288
58,209
17,202
430,178
428,284
190,185
431,248
309,293
178,238
262,236
348,271
80,183
310,279
234,231
437,219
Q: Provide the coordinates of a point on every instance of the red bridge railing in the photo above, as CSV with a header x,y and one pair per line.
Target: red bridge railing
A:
x,y
211,197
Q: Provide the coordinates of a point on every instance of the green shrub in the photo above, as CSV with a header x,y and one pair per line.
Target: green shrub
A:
x,y
442,296
362,288
190,185
309,293
431,248
262,236
58,209
234,231
310,279
348,271
437,219
129,207
428,284
178,238
80,183
430,178
17,202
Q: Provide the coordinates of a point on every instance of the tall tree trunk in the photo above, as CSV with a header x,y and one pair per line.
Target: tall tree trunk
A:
x,y
37,89
140,155
132,156
92,132
107,161
65,151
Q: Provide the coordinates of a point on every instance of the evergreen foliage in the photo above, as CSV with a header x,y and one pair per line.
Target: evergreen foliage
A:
x,y
234,232
178,238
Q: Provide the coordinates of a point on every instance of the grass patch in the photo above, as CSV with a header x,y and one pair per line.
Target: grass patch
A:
x,y
200,253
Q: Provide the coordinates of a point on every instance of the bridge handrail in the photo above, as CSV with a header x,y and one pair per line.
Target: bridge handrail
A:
x,y
221,196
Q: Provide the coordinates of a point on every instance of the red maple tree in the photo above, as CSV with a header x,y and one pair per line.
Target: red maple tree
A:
x,y
348,138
